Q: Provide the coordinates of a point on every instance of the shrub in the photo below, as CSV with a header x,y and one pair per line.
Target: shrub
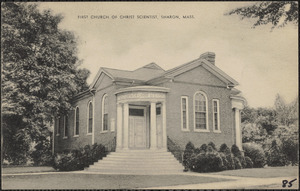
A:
x,y
249,163
235,150
229,157
255,153
66,162
225,161
42,155
238,154
98,152
187,154
275,156
77,159
237,163
212,145
209,162
203,148
290,149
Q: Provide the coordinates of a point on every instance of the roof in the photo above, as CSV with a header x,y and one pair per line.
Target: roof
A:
x,y
152,72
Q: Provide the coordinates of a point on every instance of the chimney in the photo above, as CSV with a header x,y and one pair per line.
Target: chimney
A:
x,y
209,56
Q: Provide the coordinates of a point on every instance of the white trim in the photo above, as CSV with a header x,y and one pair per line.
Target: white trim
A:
x,y
186,112
200,130
93,121
65,136
88,115
105,96
57,123
75,113
218,114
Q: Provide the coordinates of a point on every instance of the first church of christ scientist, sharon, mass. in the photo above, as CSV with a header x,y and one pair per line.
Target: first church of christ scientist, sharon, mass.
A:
x,y
136,113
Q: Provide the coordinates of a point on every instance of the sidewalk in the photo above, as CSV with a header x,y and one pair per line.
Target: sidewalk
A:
x,y
238,183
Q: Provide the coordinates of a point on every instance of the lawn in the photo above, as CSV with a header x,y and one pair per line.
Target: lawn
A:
x,y
99,181
267,172
26,169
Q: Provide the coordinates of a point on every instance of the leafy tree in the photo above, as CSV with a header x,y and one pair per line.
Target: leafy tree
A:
x,y
248,115
278,13
287,114
39,68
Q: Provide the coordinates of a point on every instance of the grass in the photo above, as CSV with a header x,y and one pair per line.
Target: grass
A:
x,y
99,181
267,172
25,169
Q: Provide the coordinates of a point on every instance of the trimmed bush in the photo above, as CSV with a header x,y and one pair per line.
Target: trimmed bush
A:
x,y
212,145
238,154
229,157
209,162
66,162
255,153
249,163
78,159
187,154
237,163
203,148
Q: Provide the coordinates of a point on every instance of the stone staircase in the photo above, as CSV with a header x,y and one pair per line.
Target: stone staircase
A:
x,y
137,162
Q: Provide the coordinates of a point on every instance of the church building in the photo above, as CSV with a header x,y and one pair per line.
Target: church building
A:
x,y
141,110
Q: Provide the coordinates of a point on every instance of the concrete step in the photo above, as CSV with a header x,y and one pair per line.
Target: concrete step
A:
x,y
137,165
137,161
142,171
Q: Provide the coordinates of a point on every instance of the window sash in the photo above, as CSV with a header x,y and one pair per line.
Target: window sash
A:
x,y
66,124
105,122
77,122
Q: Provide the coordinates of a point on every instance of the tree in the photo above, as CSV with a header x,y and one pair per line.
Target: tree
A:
x,y
287,114
278,13
39,68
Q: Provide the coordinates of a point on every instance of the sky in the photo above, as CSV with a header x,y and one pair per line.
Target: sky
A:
x,y
264,62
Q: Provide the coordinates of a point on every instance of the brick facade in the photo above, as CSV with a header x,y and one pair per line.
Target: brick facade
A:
x,y
186,83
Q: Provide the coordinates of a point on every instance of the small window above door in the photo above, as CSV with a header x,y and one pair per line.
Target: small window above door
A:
x,y
136,112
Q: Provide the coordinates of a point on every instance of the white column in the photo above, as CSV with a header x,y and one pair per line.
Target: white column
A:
x,y
93,123
153,142
125,125
238,129
164,125
119,126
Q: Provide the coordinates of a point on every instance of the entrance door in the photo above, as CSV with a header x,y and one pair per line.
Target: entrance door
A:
x,y
137,127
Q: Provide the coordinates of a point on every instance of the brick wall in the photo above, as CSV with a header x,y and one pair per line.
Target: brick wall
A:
x,y
187,87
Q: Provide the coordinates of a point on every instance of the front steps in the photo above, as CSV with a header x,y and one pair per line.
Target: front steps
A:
x,y
137,162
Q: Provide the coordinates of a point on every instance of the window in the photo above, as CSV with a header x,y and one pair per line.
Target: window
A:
x,y
105,113
136,112
216,115
76,130
90,118
184,113
57,126
200,109
66,120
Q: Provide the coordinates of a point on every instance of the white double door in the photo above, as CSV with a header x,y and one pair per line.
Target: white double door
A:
x,y
137,128
139,131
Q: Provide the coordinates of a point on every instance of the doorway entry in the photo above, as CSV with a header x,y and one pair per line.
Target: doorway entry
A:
x,y
137,127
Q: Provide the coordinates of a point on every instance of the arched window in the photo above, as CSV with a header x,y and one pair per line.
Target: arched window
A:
x,y
200,112
105,113
90,118
76,130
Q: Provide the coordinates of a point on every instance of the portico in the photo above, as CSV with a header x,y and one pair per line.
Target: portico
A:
x,y
141,118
